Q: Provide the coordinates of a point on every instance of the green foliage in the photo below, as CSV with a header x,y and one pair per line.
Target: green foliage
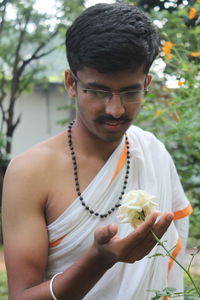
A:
x,y
168,292
3,286
173,114
147,5
189,293
194,222
172,293
188,286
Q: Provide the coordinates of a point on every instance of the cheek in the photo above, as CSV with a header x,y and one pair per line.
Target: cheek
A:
x,y
132,109
89,109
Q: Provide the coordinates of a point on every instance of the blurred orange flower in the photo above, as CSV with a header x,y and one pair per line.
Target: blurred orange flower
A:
x,y
187,137
157,113
192,13
167,49
195,54
180,83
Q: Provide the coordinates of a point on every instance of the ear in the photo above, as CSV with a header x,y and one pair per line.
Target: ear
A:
x,y
70,83
148,80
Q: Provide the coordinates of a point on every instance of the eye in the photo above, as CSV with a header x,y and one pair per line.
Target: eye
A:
x,y
131,95
100,94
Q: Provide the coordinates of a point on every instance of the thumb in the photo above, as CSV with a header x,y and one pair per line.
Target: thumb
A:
x,y
104,234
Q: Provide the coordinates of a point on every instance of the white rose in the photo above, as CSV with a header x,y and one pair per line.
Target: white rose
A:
x,y
136,206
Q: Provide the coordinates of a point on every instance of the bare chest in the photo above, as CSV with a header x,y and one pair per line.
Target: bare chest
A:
x,y
62,186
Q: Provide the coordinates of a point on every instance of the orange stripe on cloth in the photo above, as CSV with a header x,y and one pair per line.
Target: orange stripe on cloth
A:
x,y
183,213
171,261
175,253
121,162
178,215
56,242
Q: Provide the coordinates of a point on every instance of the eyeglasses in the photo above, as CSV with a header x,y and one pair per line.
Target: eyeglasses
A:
x,y
129,96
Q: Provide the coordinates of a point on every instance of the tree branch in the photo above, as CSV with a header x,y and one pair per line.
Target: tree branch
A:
x,y
3,4
2,86
15,124
34,56
15,79
39,48
48,52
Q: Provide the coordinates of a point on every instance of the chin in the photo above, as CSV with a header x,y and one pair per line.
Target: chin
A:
x,y
111,138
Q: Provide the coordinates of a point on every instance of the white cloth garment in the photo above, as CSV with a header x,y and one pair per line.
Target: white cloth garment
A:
x,y
152,170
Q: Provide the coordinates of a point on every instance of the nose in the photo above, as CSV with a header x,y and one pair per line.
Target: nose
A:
x,y
114,106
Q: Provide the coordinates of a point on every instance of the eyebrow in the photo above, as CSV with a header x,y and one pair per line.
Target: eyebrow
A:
x,y
95,85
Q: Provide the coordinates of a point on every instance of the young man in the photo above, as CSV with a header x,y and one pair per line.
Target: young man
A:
x,y
61,197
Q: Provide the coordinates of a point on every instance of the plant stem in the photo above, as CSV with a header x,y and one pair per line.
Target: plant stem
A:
x,y
192,260
182,267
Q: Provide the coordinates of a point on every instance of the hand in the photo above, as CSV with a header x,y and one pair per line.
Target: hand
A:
x,y
135,246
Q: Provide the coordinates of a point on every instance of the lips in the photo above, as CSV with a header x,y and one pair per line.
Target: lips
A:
x,y
113,123
113,126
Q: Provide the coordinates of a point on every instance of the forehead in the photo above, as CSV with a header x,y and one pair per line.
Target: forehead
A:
x,y
114,80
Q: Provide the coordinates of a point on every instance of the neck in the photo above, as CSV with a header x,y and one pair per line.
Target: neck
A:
x,y
88,144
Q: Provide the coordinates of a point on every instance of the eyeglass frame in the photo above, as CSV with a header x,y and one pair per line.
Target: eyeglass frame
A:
x,y
111,93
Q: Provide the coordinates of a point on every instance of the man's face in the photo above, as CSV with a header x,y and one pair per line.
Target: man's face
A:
x,y
107,115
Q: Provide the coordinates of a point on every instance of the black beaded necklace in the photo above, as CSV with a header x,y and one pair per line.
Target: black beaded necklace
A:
x,y
73,156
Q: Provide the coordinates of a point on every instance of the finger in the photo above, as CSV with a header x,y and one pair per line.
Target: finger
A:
x,y
104,234
159,229
162,225
142,231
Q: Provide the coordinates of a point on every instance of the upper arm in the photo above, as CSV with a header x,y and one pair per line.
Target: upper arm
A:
x,y
24,227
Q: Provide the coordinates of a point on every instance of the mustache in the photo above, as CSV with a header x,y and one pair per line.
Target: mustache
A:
x,y
105,118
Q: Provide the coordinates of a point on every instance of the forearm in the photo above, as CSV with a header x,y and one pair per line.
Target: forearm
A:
x,y
82,276
74,283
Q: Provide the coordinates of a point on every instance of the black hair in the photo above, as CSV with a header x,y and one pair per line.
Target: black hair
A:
x,y
112,38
